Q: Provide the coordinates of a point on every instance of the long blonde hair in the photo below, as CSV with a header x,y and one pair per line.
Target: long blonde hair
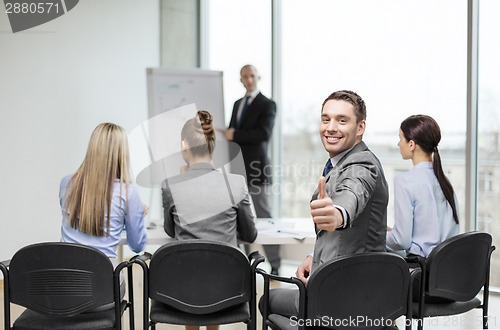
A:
x,y
90,190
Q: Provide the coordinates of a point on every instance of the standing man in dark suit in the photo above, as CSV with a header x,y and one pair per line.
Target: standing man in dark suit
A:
x,y
349,207
251,127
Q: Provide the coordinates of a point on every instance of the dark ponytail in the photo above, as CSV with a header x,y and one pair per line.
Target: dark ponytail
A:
x,y
425,132
445,184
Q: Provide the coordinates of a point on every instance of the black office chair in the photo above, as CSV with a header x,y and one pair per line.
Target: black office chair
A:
x,y
64,286
455,272
361,291
199,282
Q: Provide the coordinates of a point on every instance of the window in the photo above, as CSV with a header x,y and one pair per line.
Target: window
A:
x,y
239,34
370,47
403,58
488,208
486,181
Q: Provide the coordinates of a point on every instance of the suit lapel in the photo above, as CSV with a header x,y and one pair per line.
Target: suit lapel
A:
x,y
359,147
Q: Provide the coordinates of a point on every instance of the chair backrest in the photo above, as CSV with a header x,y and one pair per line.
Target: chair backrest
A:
x,y
457,268
60,279
199,277
359,291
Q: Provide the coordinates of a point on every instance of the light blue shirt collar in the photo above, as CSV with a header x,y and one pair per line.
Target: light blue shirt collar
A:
x,y
334,160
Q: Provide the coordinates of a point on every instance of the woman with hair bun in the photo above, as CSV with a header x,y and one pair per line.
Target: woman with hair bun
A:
x,y
426,207
202,202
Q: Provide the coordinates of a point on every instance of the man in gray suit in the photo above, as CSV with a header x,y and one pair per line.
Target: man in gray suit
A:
x,y
349,207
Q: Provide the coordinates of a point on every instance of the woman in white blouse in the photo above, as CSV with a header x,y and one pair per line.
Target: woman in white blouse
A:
x,y
426,208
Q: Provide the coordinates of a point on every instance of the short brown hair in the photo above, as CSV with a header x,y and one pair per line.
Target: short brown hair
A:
x,y
352,98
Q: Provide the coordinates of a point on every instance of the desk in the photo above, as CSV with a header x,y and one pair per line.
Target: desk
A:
x,y
270,231
285,231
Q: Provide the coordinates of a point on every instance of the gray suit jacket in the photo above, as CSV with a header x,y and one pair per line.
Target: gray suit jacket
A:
x,y
204,203
357,183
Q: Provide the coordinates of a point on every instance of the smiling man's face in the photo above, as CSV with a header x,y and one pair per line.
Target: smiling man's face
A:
x,y
339,129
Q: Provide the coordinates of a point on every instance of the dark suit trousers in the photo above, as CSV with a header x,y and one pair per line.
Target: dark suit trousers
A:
x,y
283,302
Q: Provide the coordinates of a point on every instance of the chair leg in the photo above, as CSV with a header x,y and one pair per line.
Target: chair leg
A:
x,y
484,306
420,324
408,323
265,306
485,316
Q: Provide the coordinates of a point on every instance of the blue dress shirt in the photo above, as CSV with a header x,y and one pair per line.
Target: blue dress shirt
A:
x,y
423,216
130,218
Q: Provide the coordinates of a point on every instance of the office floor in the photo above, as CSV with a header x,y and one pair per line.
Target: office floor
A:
x,y
469,320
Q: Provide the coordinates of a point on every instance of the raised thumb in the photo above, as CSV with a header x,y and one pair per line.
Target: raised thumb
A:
x,y
322,188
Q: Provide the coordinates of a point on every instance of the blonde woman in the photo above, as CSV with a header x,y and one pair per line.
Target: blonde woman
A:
x,y
99,201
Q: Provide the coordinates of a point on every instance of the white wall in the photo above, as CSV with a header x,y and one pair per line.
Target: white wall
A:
x,y
57,82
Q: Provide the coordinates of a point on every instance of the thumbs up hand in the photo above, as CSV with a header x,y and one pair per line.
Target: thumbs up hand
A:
x,y
322,188
326,216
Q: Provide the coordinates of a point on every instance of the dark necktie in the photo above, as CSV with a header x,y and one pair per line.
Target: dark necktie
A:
x,y
245,106
328,167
